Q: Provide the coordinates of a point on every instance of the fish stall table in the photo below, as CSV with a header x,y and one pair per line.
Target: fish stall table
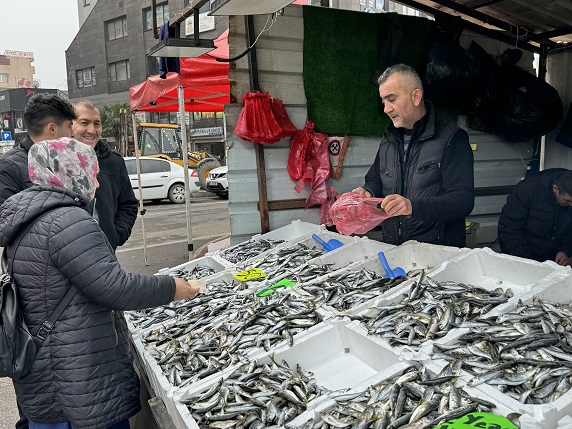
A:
x,y
231,343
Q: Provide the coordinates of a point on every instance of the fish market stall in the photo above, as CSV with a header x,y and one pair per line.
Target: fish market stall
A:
x,y
293,335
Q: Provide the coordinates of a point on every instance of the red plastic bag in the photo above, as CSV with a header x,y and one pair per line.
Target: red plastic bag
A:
x,y
325,217
309,161
263,119
354,214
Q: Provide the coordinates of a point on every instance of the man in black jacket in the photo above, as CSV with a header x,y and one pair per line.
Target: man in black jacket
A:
x,y
46,117
116,205
536,222
423,169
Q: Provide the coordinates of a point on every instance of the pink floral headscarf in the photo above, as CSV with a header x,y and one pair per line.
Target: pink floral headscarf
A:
x,y
66,163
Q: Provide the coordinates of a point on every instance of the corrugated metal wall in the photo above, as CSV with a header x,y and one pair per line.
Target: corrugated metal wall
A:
x,y
280,57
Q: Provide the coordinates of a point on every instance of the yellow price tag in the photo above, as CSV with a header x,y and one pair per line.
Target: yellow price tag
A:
x,y
251,274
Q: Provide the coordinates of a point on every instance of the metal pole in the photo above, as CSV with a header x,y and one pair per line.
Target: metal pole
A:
x,y
138,165
185,151
542,153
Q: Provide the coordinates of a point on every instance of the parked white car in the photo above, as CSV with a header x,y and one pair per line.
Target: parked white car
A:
x,y
160,179
217,182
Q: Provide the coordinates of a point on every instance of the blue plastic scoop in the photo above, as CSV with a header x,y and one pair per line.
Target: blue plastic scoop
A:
x,y
389,273
329,245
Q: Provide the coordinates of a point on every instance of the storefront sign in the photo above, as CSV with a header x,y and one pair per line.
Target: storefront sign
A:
x,y
19,54
206,23
197,132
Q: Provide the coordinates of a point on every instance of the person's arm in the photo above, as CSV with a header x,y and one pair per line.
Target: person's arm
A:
x,y
79,249
9,185
127,207
458,194
512,222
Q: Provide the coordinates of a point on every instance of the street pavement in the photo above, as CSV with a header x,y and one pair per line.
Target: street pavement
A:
x,y
166,240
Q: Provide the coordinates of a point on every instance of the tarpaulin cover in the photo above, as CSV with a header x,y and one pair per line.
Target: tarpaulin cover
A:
x,y
205,82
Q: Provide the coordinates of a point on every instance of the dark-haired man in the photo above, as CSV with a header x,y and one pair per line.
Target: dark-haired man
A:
x,y
423,169
46,117
536,222
116,205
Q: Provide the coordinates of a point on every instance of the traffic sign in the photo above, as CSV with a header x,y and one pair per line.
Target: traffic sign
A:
x,y
6,135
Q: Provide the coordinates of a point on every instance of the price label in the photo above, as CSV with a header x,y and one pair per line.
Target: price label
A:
x,y
478,421
251,274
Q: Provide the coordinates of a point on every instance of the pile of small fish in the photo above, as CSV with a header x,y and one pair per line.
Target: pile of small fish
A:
x,y
526,353
351,288
288,260
201,340
254,396
151,316
413,400
198,272
430,310
248,250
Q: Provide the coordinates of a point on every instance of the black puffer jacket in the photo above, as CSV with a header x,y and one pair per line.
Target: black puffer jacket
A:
x,y
83,372
437,177
116,204
14,170
532,224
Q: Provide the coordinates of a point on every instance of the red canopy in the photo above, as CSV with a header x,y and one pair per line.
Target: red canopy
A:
x,y
205,81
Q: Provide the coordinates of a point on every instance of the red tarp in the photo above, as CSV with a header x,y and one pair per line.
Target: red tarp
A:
x,y
205,81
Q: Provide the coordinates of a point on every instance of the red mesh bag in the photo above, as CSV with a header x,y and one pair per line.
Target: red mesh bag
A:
x,y
354,214
263,119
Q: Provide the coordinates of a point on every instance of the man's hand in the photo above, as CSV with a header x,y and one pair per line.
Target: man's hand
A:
x,y
562,259
396,205
186,290
361,191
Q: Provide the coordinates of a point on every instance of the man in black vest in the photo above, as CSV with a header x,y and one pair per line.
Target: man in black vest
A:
x,y
536,222
423,169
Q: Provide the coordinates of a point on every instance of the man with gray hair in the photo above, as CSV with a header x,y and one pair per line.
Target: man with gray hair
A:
x,y
116,205
423,169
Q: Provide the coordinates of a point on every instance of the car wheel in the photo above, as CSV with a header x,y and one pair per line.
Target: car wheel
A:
x,y
177,193
223,196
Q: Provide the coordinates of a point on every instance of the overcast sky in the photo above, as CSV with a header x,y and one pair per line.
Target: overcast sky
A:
x,y
44,27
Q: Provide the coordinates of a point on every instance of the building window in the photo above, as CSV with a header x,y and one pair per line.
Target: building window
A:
x,y
85,3
119,71
162,16
3,77
85,77
152,66
117,28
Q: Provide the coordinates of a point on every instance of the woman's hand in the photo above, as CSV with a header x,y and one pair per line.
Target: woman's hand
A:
x,y
187,289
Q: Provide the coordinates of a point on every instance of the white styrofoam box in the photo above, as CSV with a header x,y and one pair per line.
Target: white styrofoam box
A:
x,y
409,256
397,369
565,423
335,353
158,381
338,354
490,270
213,261
288,233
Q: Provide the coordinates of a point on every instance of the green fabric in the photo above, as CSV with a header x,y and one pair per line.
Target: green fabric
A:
x,y
344,54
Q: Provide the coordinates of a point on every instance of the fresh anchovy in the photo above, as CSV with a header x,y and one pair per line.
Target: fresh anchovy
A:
x,y
146,318
198,272
429,310
201,340
408,400
526,353
350,288
248,250
255,395
286,261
